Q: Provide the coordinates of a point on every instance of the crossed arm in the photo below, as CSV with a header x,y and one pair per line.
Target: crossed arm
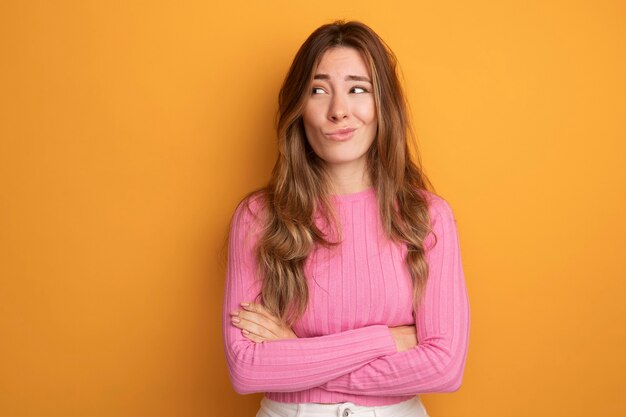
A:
x,y
265,355
259,325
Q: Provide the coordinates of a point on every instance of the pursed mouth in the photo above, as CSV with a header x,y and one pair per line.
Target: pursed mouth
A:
x,y
341,131
340,134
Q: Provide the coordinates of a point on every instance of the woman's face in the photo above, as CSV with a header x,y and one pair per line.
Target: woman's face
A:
x,y
340,113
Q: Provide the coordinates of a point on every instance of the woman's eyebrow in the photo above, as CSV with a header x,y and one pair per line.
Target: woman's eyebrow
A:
x,y
358,78
348,77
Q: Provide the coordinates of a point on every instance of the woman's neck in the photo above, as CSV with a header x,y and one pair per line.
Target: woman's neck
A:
x,y
348,181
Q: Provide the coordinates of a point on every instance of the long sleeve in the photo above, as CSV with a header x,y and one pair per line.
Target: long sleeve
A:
x,y
436,364
285,365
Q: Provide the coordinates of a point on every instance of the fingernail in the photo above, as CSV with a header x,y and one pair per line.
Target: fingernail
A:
x,y
245,332
245,304
235,319
234,313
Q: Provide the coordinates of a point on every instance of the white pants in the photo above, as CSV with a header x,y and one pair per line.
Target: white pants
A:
x,y
409,408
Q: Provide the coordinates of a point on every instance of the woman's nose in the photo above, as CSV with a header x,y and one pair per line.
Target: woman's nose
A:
x,y
338,108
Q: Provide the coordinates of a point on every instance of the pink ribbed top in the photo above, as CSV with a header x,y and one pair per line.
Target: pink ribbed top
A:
x,y
357,290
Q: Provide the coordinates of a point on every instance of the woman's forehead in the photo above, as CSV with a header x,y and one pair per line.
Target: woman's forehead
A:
x,y
342,61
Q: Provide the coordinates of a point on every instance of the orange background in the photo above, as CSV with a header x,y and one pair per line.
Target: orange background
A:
x,y
129,131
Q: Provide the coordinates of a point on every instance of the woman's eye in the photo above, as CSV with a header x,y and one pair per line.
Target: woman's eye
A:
x,y
358,90
317,90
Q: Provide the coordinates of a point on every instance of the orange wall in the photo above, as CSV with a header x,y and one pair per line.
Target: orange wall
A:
x,y
129,130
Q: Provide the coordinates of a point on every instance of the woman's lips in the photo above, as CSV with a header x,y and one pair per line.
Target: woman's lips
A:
x,y
340,134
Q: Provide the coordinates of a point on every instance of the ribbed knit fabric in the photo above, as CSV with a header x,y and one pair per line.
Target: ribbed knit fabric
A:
x,y
357,290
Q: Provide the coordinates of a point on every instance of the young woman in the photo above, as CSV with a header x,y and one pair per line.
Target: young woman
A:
x,y
345,292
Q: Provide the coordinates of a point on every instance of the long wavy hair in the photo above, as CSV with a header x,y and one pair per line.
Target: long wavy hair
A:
x,y
299,186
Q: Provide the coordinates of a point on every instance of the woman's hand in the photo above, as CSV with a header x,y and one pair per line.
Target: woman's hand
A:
x,y
259,325
404,336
